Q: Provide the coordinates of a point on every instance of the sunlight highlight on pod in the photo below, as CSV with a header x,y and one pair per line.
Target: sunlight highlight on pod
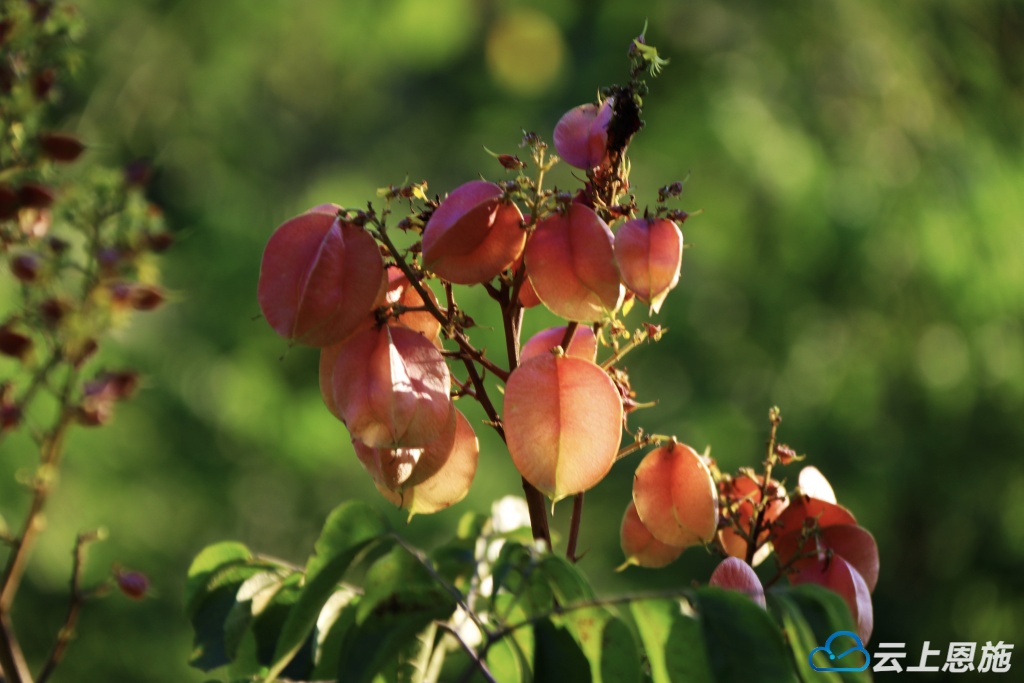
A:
x,y
675,496
563,423
390,386
571,264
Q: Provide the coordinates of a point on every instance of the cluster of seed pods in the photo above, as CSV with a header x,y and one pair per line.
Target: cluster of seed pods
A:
x,y
324,283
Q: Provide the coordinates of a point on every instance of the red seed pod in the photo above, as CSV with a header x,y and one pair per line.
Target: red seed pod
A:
x,y
640,546
563,423
571,264
319,279
675,495
390,386
581,135
473,235
741,494
61,146
400,292
649,253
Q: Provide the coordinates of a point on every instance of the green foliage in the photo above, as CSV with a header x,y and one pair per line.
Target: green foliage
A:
x,y
541,620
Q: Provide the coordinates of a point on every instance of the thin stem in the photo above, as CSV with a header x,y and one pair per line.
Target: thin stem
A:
x,y
49,459
757,526
39,380
641,443
12,661
637,339
570,331
574,527
78,598
478,663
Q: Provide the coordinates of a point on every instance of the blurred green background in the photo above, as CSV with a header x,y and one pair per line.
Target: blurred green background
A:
x,y
860,263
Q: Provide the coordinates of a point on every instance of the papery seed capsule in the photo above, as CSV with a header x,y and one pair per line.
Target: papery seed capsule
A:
x,y
649,253
581,135
675,496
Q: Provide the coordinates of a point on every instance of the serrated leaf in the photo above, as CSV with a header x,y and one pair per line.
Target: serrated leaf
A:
x,y
349,529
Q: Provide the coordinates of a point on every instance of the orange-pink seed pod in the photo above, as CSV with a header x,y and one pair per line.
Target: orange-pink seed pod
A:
x,y
675,495
640,547
390,386
582,345
649,253
581,135
563,423
571,264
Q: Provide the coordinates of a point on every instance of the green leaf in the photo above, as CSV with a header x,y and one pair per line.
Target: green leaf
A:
x,y
402,599
605,641
557,657
344,618
808,615
673,640
567,583
734,624
211,560
349,529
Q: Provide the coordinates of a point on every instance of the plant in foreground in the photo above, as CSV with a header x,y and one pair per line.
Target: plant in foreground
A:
x,y
375,290
78,254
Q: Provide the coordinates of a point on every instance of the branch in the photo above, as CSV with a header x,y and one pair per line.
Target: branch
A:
x,y
574,527
78,598
12,661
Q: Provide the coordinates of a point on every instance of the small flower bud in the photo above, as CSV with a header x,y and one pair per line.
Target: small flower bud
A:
x,y
146,298
159,242
61,146
35,196
43,82
53,311
25,267
8,203
14,343
133,584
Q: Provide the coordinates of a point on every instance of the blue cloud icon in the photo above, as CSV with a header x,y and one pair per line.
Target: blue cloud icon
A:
x,y
827,649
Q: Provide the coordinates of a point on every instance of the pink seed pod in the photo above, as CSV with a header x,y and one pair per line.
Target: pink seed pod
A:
x,y
563,423
582,345
675,496
736,575
571,264
473,235
319,279
389,385
640,546
581,135
649,253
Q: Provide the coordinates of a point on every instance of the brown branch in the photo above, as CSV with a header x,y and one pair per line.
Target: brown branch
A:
x,y
574,527
12,661
762,506
570,331
78,598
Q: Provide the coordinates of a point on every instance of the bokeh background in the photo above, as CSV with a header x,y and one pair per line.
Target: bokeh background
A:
x,y
859,262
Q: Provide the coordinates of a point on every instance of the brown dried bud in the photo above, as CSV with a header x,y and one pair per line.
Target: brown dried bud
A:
x,y
14,343
57,245
10,417
61,146
53,311
100,394
786,454
137,173
26,266
35,196
511,162
146,298
43,82
159,242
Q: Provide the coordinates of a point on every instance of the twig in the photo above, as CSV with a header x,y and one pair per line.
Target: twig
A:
x,y
478,663
755,530
78,598
574,527
570,331
12,661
